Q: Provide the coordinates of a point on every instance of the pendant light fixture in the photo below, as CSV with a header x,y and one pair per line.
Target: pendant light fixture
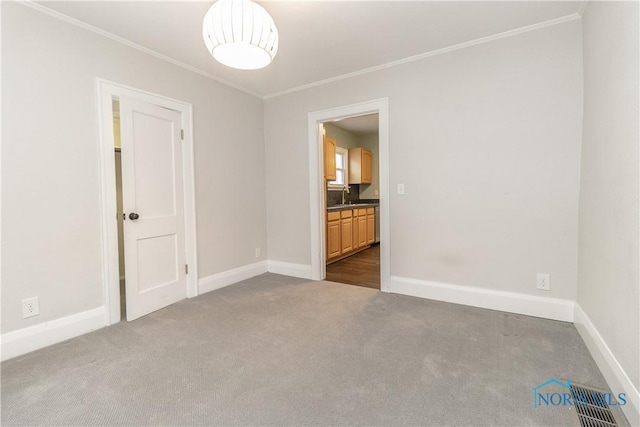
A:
x,y
240,34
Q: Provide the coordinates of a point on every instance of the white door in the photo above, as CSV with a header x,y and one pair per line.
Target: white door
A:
x,y
154,232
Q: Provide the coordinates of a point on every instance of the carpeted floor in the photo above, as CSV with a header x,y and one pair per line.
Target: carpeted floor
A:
x,y
274,350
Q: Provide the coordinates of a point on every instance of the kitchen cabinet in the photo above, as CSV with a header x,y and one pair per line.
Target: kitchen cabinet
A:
x,y
362,228
349,231
346,231
329,148
333,235
371,226
354,229
360,166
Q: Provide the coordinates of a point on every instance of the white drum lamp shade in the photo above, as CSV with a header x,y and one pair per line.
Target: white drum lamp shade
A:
x,y
240,34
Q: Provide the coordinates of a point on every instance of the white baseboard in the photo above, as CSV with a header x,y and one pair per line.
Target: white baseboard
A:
x,y
229,277
616,377
512,302
32,338
303,271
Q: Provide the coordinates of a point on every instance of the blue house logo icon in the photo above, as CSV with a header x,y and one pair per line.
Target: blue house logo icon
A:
x,y
554,399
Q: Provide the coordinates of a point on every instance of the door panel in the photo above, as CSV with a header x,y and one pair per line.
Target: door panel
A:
x,y
157,261
362,230
354,227
347,235
153,189
367,166
333,238
371,229
154,158
329,158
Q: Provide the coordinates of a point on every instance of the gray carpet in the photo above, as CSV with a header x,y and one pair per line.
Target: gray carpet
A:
x,y
274,350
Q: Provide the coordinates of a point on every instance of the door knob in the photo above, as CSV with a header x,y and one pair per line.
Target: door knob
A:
x,y
133,216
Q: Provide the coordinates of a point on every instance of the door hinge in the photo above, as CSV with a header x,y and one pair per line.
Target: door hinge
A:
x,y
181,133
186,269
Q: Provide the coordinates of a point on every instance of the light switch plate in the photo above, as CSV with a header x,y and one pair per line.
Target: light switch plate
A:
x,y
400,188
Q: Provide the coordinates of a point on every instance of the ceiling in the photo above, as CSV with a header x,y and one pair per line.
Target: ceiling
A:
x,y
319,40
361,125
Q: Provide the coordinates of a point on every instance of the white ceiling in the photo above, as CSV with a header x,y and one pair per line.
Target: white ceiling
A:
x,y
319,40
361,125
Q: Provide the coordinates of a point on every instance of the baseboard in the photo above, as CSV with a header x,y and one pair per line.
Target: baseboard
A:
x,y
229,277
35,337
512,302
302,271
617,378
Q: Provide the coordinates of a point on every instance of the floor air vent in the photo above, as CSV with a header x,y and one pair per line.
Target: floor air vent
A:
x,y
592,408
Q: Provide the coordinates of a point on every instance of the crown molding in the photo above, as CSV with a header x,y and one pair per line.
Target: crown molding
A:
x,y
582,7
43,9
39,7
436,52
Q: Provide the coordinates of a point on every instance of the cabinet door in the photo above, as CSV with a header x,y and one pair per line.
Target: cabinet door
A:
x,y
362,231
355,230
371,228
360,166
355,165
347,235
333,239
329,159
367,166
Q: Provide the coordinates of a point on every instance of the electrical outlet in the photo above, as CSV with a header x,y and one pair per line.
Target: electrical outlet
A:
x,y
543,282
30,307
375,192
257,252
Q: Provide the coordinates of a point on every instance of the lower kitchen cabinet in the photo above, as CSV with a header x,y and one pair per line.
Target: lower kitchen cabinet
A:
x,y
362,228
348,231
371,226
333,235
346,224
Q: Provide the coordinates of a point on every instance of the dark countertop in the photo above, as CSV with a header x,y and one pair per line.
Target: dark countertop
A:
x,y
353,206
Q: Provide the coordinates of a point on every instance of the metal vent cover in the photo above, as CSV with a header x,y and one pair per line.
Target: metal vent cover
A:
x,y
592,409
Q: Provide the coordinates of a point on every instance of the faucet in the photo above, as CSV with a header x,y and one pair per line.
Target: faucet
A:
x,y
345,189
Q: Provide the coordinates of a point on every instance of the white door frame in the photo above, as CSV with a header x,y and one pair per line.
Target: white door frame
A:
x,y
316,181
106,91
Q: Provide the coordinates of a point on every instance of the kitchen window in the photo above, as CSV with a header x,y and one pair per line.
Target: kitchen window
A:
x,y
342,169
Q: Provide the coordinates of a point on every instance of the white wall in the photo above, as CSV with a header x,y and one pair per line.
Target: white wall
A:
x,y
608,262
487,142
50,183
344,138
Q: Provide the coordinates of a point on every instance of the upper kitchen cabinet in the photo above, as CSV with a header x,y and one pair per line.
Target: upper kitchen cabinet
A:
x,y
329,145
360,166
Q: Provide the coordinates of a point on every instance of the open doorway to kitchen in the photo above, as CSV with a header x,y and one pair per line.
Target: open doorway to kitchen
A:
x,y
352,217
343,231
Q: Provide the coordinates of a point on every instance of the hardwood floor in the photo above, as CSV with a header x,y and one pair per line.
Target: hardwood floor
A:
x,y
361,269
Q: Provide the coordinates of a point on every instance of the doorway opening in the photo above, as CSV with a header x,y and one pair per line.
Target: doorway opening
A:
x,y
352,217
119,207
328,226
